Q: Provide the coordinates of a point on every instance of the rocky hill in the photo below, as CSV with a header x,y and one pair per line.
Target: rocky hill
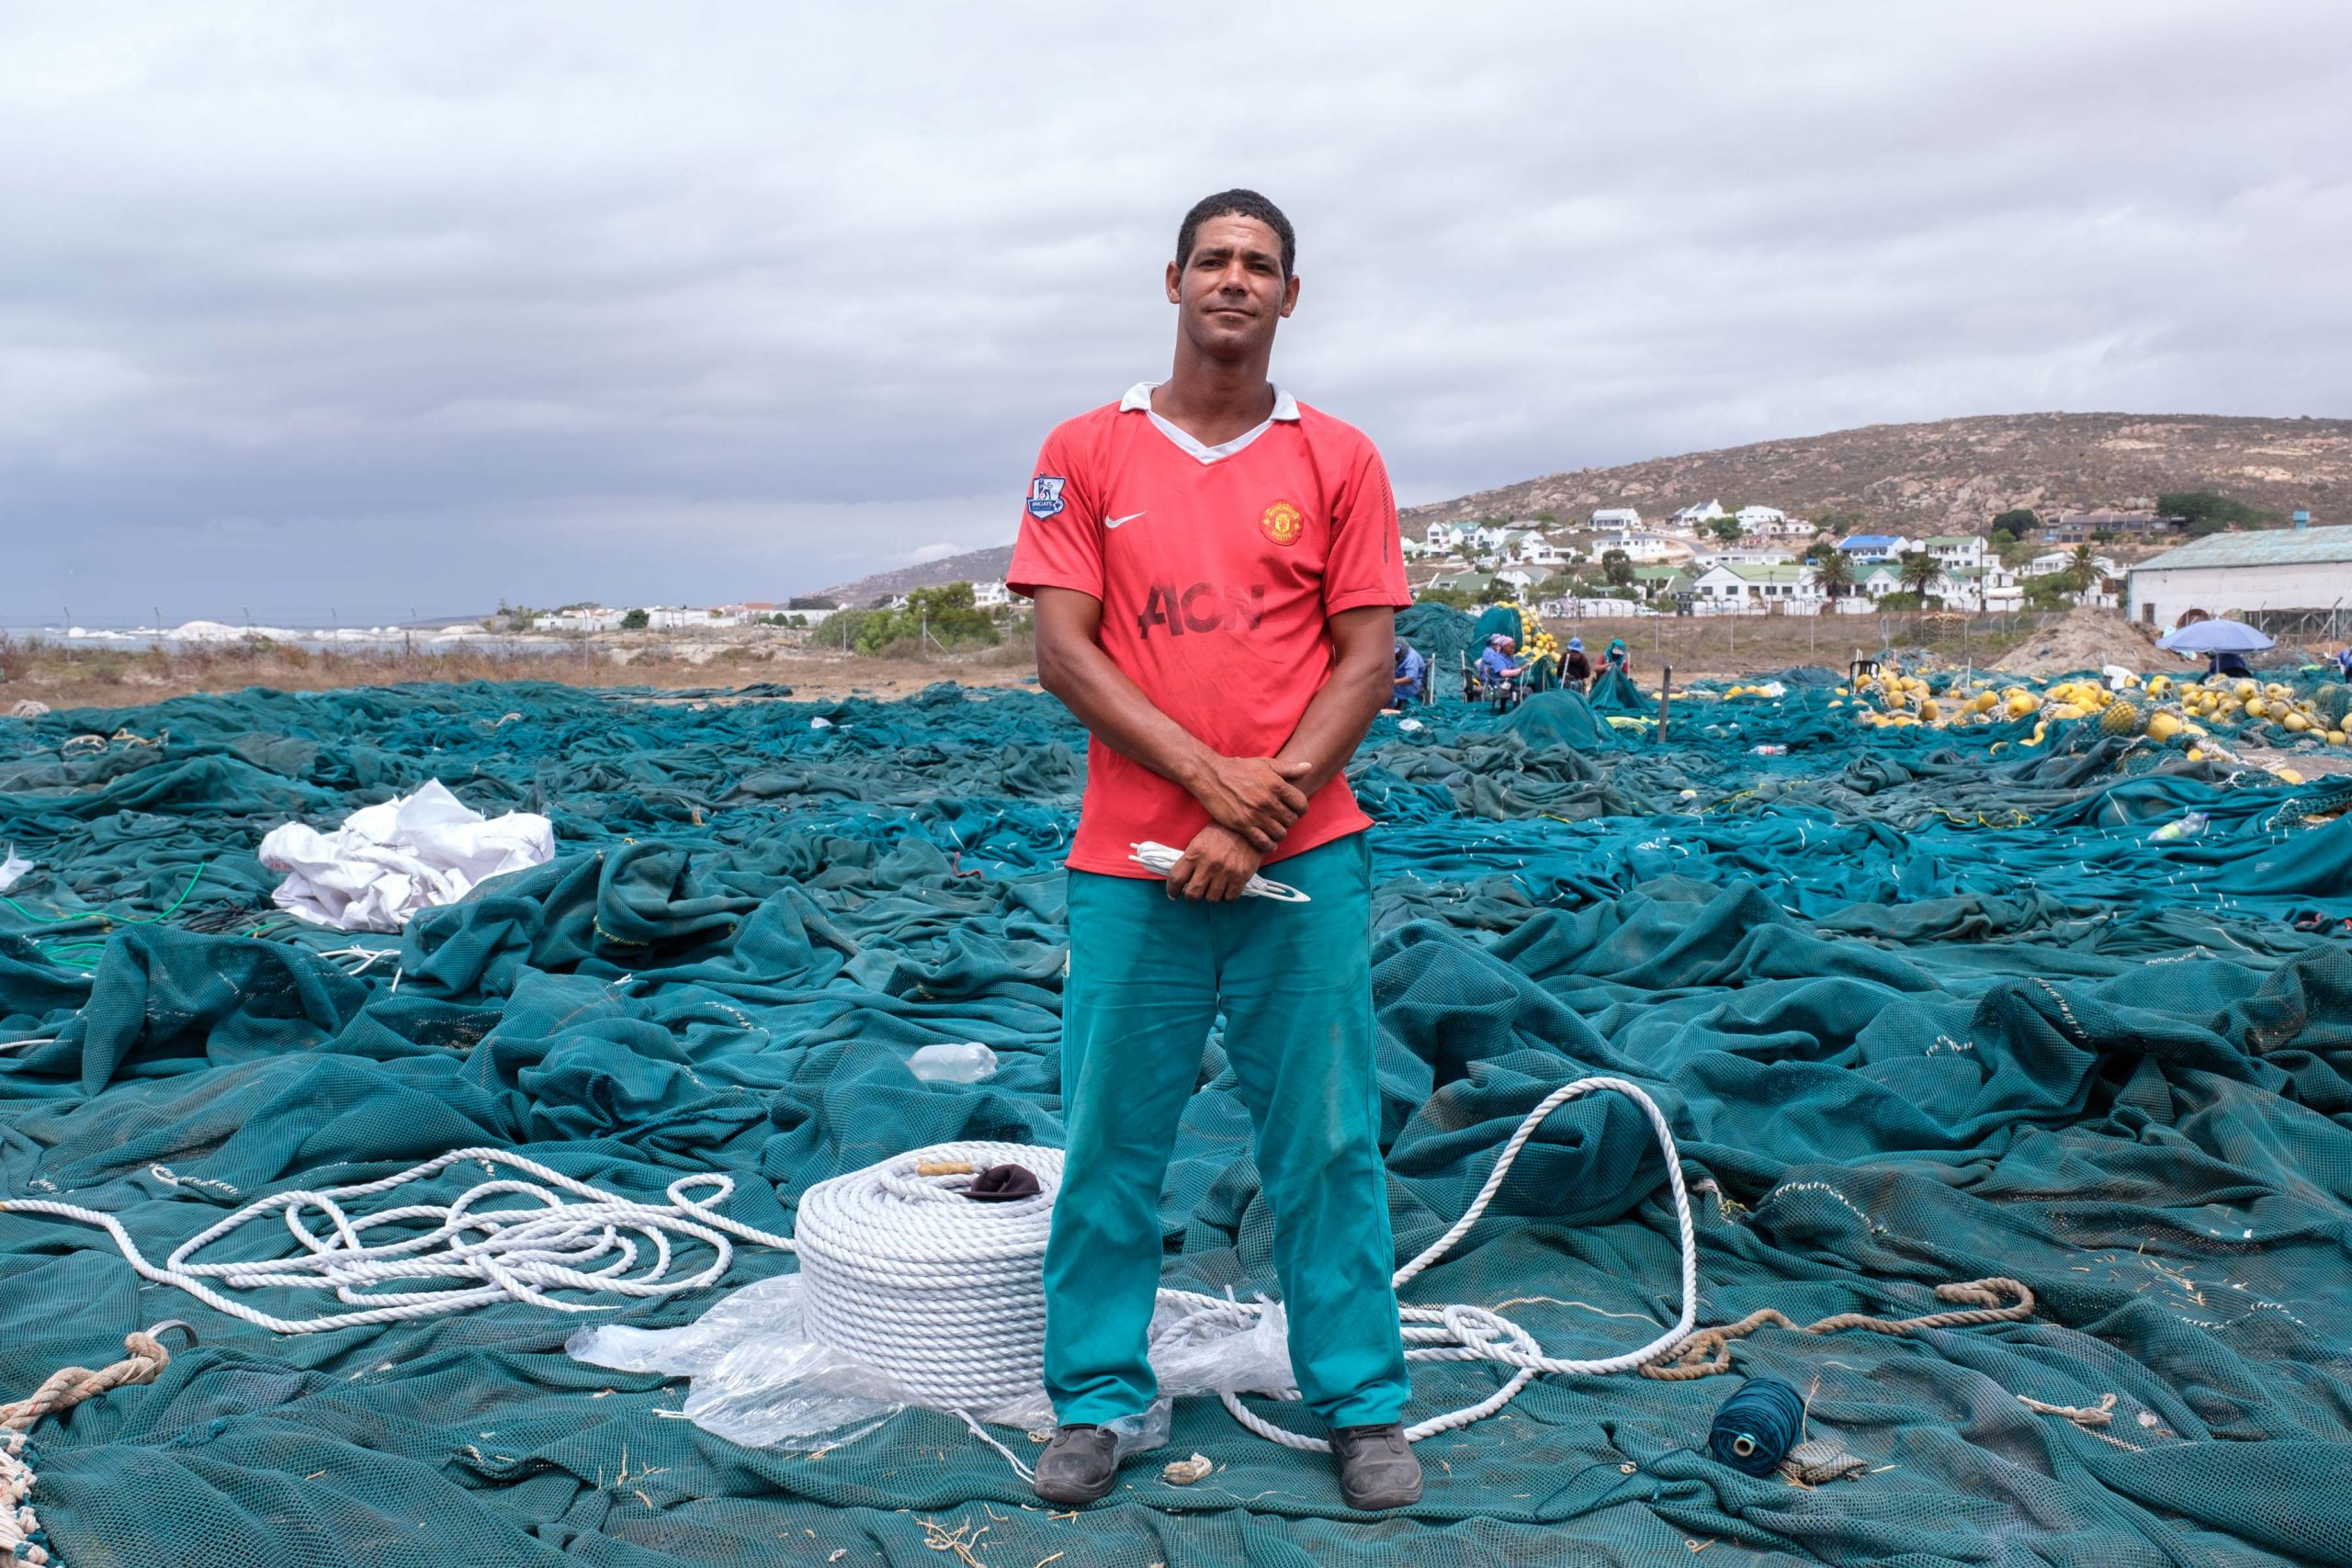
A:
x,y
1950,473
1955,473
972,566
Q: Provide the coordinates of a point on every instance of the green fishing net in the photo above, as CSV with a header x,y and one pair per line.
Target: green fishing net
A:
x,y
1920,1009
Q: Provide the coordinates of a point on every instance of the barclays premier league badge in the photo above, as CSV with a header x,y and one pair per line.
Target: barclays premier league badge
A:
x,y
1046,495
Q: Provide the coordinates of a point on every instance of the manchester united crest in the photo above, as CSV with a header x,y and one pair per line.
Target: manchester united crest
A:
x,y
1282,523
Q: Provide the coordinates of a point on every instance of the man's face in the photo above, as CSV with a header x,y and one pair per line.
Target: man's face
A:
x,y
1231,291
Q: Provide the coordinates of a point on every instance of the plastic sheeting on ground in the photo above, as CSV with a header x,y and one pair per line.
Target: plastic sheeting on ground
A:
x,y
1919,1012
388,861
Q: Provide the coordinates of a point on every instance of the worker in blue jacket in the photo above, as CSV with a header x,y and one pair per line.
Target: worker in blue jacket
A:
x,y
1412,674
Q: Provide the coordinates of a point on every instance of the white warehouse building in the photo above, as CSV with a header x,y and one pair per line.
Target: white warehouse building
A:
x,y
2269,568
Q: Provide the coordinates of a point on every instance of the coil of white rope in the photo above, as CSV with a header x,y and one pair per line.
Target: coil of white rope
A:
x,y
945,1295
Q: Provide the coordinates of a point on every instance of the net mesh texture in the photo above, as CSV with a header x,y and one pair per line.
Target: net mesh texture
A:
x,y
1921,1008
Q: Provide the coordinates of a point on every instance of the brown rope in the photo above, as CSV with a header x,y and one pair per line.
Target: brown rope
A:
x,y
2084,1416
144,1358
1708,1352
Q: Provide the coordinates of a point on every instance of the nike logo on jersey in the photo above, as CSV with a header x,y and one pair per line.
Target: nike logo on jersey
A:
x,y
1114,522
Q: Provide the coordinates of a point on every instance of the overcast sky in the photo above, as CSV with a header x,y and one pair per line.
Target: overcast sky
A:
x,y
394,306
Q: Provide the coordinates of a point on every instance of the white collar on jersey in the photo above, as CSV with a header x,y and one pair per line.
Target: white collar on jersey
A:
x,y
1139,397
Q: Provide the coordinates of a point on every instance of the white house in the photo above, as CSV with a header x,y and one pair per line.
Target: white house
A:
x,y
1989,587
1692,518
2063,560
1617,520
1878,583
1875,547
671,619
993,596
1534,550
1446,536
1953,550
1642,549
588,618
1742,554
1771,522
1789,589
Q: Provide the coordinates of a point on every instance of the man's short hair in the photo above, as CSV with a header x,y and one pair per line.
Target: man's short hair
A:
x,y
1237,204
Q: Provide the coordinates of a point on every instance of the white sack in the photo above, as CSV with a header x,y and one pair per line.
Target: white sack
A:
x,y
388,861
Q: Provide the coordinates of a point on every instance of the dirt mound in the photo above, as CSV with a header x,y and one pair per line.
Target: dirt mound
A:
x,y
2087,639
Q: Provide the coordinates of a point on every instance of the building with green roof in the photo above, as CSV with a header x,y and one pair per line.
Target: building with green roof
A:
x,y
2268,568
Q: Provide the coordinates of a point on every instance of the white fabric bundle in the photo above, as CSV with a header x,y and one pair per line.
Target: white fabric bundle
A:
x,y
388,861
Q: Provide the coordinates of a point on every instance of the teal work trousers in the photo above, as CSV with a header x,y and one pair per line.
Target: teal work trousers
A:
x,y
1147,975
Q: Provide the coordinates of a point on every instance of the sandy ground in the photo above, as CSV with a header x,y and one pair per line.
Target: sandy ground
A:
x,y
2090,640
79,677
1695,648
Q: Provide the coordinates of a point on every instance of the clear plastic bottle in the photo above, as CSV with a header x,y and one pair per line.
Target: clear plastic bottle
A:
x,y
968,1062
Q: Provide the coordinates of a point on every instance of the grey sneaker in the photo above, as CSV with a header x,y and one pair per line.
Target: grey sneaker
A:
x,y
1377,1469
1079,1466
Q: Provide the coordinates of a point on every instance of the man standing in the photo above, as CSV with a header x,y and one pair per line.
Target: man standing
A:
x,y
1216,571
1411,675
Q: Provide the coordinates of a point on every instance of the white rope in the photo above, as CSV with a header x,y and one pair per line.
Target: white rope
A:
x,y
943,1296
1161,859
478,1254
900,1271
1460,1333
947,1297
367,956
18,1523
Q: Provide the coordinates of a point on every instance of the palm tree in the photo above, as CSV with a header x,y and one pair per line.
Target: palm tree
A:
x,y
1833,572
1918,573
2081,572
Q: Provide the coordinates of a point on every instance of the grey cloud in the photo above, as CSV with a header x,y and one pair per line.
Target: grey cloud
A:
x,y
424,305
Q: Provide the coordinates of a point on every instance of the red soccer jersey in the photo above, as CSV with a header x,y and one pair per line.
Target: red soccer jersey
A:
x,y
1218,570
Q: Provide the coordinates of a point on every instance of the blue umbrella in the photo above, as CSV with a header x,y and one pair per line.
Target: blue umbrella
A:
x,y
2215,637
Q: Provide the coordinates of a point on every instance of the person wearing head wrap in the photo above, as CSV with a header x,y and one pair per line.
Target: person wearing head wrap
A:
x,y
1494,663
1617,658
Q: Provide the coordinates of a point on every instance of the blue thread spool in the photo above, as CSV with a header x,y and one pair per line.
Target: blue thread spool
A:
x,y
1757,1427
